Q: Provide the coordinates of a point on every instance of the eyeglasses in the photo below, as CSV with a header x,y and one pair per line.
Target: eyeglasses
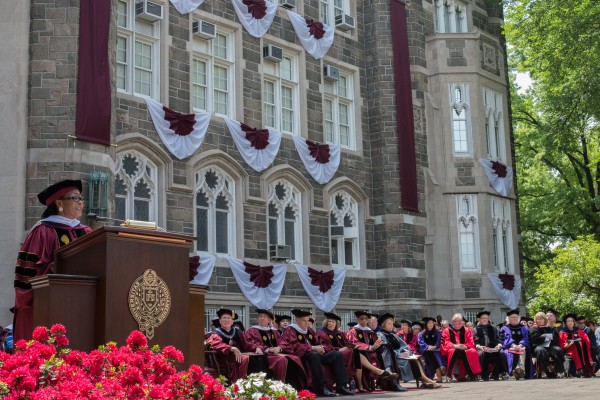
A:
x,y
73,198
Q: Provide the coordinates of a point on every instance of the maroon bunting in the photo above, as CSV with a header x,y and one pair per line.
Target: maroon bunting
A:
x,y
315,28
320,152
508,281
181,124
194,264
260,276
259,138
258,8
499,168
324,280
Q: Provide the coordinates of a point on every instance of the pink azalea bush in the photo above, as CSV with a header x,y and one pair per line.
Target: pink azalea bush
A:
x,y
45,368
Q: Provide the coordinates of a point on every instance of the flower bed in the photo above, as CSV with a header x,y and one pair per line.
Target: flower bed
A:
x,y
45,368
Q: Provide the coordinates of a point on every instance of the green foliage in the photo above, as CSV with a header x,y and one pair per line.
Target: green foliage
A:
x,y
571,282
556,124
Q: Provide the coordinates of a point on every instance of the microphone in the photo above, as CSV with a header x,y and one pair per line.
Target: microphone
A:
x,y
96,217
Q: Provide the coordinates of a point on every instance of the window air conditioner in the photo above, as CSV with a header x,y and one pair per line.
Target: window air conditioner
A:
x,y
279,252
289,4
272,53
203,29
344,22
148,11
331,73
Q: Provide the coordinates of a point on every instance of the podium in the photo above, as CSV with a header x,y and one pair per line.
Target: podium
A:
x,y
100,284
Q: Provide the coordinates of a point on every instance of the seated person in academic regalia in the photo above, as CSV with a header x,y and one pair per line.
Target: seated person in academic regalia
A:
x,y
576,344
581,324
227,341
489,348
299,339
545,343
351,325
397,354
552,315
516,345
429,345
407,335
373,323
262,339
363,337
282,322
459,349
334,339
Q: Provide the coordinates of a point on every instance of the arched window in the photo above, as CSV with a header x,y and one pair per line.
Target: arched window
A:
x,y
468,232
494,124
215,219
450,16
461,137
344,231
502,236
284,214
135,187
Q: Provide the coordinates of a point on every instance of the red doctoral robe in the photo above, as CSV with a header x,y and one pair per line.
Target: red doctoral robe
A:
x,y
411,340
36,258
363,339
579,350
262,338
450,337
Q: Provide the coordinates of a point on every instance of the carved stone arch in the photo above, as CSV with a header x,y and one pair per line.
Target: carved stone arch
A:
x,y
144,146
293,176
223,161
352,188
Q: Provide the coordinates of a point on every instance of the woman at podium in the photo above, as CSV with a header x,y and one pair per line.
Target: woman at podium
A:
x,y
59,226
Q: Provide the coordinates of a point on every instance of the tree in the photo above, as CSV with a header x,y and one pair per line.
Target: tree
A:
x,y
571,282
556,123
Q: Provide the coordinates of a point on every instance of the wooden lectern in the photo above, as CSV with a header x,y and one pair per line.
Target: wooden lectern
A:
x,y
90,292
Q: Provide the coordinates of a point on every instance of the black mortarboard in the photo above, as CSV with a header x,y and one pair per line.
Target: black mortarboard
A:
x,y
397,324
427,319
223,311
264,311
553,311
384,317
417,323
239,325
570,315
361,312
216,322
480,313
279,318
59,189
405,321
300,313
352,324
513,312
331,315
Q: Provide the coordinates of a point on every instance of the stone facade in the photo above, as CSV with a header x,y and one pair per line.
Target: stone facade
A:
x,y
407,262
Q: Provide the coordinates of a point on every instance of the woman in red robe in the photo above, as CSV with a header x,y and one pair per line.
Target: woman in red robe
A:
x,y
263,339
458,346
59,226
409,337
576,343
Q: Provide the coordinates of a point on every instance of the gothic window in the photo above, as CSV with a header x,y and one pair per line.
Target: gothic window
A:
x,y
135,188
344,232
461,135
502,236
494,125
468,232
284,214
215,213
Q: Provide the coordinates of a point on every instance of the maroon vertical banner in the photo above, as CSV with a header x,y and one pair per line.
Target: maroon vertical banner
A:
x,y
93,75
404,108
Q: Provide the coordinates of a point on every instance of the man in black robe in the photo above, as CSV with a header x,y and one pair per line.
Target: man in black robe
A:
x,y
489,348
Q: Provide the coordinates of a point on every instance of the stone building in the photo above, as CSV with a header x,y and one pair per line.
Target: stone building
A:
x,y
433,259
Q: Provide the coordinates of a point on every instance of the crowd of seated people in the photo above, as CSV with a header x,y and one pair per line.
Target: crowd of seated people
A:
x,y
378,351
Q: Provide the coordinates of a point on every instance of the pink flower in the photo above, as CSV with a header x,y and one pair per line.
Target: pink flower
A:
x,y
58,329
40,333
137,340
306,395
172,354
62,340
